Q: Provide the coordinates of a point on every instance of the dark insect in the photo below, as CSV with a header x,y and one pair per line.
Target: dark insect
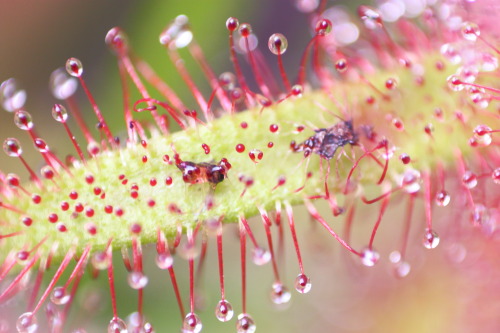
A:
x,y
326,141
195,173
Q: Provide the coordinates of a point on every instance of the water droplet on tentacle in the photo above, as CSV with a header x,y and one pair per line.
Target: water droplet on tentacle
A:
x,y
11,97
117,325
245,324
431,239
277,43
369,257
280,294
192,323
62,85
302,283
224,311
27,323
177,34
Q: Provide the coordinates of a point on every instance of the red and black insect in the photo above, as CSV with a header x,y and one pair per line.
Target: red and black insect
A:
x,y
326,141
196,173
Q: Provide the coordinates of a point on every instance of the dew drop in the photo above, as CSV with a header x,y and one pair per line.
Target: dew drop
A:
x,y
227,81
297,90
177,34
23,120
391,83
480,215
341,65
470,31
369,257
411,181
117,40
11,97
260,256
245,30
245,324
192,323
454,83
100,261
431,239
442,198
370,17
280,294
306,6
59,113
232,24
59,296
27,323
62,85
12,147
323,27
41,145
224,311
137,280
402,269
164,260
74,67
303,284
240,148
495,175
469,179
277,43
117,325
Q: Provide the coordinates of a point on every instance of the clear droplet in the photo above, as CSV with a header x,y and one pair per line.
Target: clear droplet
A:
x,y
61,85
93,148
341,65
188,250
323,27
12,147
117,40
450,52
59,113
23,120
470,31
280,294
454,83
41,145
495,175
303,284
297,90
60,296
224,311
442,198
245,324
227,81
137,280
469,179
27,323
245,29
11,97
278,43
402,269
192,323
100,261
177,34
148,328
164,261
411,181
480,215
260,256
134,321
431,239
370,17
117,325
306,6
74,67
369,257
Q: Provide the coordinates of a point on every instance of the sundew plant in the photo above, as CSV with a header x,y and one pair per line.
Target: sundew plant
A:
x,y
363,178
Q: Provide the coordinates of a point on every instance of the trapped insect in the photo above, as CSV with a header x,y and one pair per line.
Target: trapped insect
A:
x,y
326,141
